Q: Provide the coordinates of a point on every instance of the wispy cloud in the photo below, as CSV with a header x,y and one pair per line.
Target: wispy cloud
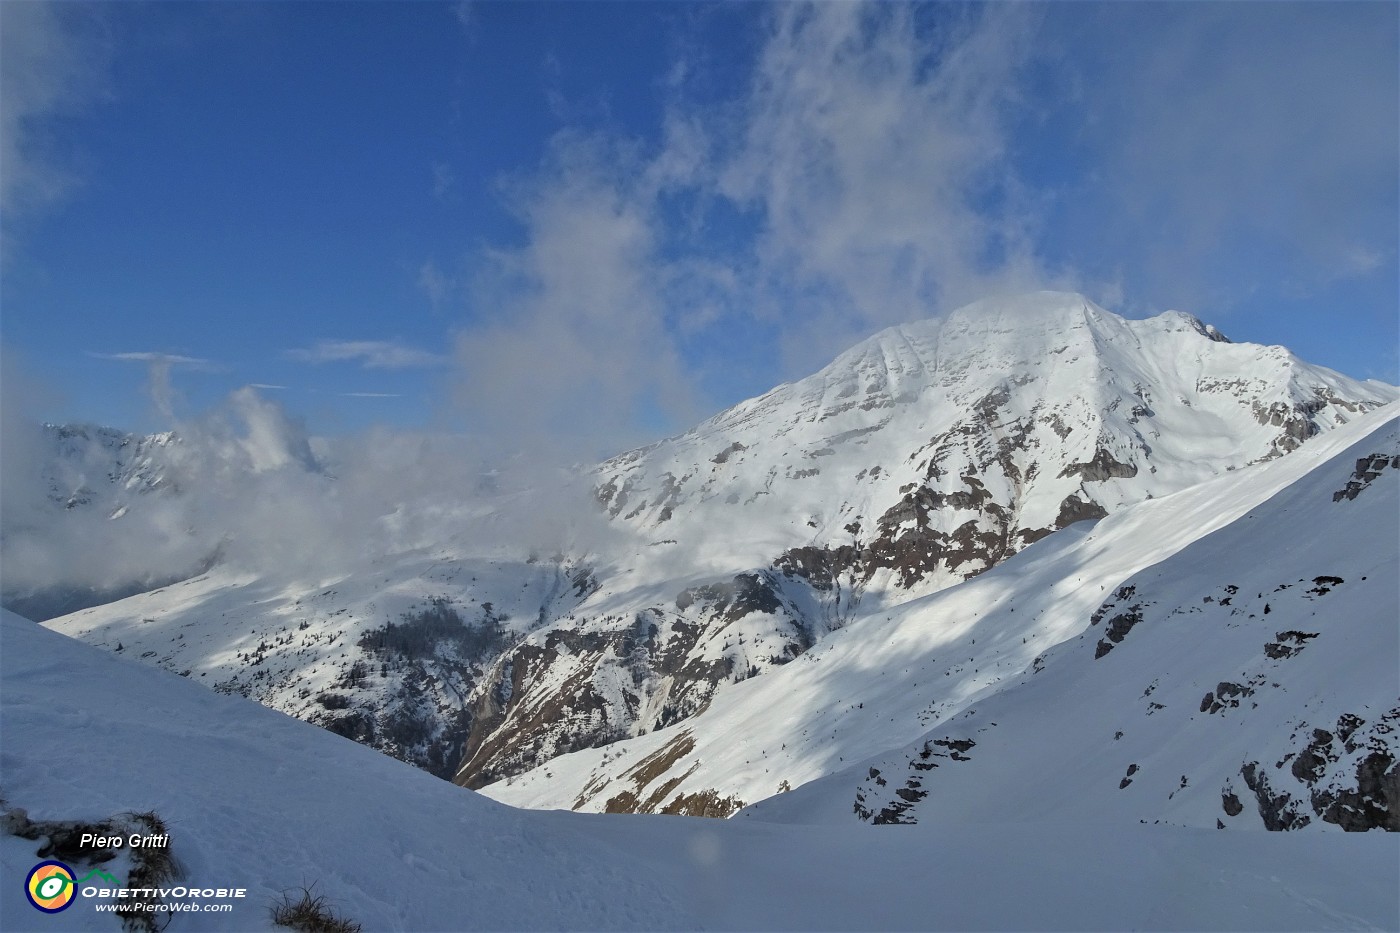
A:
x,y
1236,147
372,354
437,285
575,349
158,382
861,178
875,149
444,181
464,11
53,62
170,359
264,385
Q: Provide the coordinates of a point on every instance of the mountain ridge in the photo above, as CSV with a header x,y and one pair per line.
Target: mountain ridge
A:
x,y
947,655
734,548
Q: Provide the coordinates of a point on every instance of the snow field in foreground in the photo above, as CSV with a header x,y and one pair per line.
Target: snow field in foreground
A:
x,y
258,800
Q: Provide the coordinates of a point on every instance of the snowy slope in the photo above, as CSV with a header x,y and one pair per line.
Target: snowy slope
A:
x,y
309,646
1197,567
918,459
259,801
1251,679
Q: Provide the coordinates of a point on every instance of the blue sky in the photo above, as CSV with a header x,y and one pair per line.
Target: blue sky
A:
x,y
611,220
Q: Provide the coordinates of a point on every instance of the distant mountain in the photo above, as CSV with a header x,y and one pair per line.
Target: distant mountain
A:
x,y
97,467
768,535
90,477
1018,416
92,514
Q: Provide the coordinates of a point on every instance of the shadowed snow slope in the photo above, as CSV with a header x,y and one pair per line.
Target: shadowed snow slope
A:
x,y
257,800
1251,679
1283,610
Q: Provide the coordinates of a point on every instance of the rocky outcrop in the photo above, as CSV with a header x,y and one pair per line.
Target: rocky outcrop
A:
x,y
1287,644
1367,470
910,540
1279,810
1294,419
1374,801
1101,467
879,802
587,686
1118,625
1348,776
1226,695
1076,509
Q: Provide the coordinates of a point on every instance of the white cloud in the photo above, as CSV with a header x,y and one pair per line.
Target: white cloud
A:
x,y
245,481
53,60
575,349
875,146
259,432
372,354
1236,147
440,287
169,359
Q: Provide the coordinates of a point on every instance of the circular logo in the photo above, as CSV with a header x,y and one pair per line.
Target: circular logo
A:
x,y
50,886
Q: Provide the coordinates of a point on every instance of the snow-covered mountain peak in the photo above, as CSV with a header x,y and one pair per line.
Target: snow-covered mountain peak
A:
x,y
1019,329
1014,383
915,461
1183,320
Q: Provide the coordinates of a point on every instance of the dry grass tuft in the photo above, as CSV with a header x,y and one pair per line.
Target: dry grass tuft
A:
x,y
306,911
